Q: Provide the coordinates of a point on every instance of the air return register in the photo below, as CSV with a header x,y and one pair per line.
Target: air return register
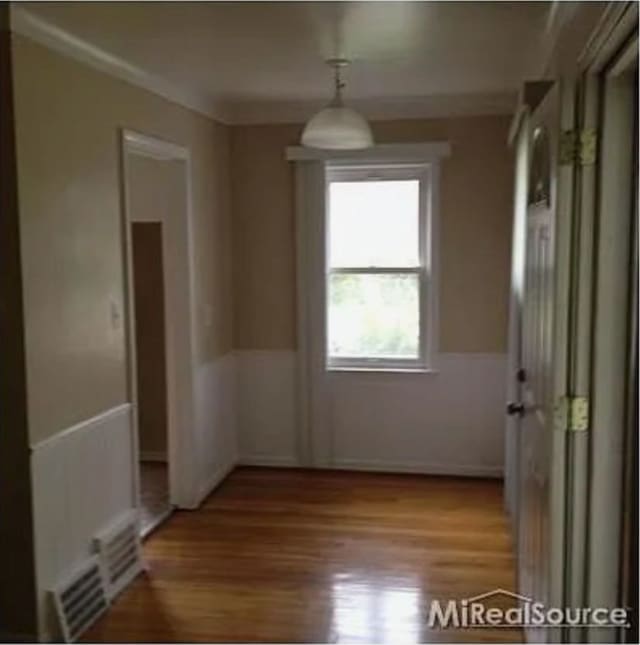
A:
x,y
118,548
80,599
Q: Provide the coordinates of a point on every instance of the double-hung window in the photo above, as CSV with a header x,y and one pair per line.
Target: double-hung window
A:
x,y
379,267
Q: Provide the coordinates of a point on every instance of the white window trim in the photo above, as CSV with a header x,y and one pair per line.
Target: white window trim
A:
x,y
392,152
314,438
388,171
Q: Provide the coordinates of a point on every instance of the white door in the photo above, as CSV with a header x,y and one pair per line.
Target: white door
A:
x,y
535,407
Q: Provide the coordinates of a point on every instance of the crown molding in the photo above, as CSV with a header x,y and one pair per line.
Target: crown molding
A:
x,y
615,25
251,111
25,23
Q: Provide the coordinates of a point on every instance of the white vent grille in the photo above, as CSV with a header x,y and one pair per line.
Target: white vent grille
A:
x,y
80,600
120,554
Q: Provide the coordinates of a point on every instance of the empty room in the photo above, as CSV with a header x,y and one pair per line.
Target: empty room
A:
x,y
319,322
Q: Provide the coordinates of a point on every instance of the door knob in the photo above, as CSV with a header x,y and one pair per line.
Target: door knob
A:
x,y
515,408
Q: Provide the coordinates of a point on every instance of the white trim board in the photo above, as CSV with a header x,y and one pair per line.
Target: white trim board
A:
x,y
419,468
389,152
314,431
180,314
153,147
27,24
269,460
615,24
87,424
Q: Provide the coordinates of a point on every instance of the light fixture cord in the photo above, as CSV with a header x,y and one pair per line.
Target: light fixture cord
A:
x,y
337,99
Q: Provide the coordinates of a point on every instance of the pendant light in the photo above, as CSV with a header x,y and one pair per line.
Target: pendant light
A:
x,y
337,127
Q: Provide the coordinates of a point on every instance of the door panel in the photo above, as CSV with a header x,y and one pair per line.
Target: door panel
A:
x,y
536,425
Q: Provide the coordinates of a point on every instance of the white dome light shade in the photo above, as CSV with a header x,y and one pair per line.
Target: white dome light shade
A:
x,y
337,128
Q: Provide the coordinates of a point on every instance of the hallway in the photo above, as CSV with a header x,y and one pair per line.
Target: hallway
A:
x,y
319,556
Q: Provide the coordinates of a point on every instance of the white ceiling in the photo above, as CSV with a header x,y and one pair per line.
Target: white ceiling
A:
x,y
264,60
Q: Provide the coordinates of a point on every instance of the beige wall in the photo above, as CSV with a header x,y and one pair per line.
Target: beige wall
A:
x,y
475,231
68,116
67,143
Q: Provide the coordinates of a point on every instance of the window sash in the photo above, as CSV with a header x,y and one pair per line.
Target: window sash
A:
x,y
377,173
376,270
423,270
382,362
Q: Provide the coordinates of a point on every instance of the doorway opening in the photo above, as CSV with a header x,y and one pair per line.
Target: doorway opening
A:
x,y
151,369
158,277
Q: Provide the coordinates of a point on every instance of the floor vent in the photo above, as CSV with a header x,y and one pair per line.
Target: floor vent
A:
x,y
80,600
120,553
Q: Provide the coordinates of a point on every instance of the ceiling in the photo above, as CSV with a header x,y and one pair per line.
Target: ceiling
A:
x,y
264,60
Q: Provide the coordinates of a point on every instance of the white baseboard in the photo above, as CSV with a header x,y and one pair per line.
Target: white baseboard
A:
x,y
150,455
268,460
419,468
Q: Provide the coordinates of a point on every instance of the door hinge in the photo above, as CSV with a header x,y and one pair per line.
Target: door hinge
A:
x,y
571,414
578,146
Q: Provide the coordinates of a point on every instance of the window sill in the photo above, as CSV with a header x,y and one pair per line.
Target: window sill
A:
x,y
382,370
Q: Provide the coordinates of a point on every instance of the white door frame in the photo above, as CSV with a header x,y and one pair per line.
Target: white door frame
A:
x,y
570,478
599,372
180,333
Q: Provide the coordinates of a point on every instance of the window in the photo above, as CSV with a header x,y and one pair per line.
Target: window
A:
x,y
379,266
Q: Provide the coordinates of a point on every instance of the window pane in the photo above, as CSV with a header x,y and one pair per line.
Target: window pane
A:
x,y
374,316
374,223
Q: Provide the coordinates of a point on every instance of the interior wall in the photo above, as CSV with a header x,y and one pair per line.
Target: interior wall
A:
x,y
475,236
67,126
151,360
475,228
68,121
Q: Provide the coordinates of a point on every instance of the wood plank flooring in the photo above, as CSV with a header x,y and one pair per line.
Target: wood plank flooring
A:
x,y
280,555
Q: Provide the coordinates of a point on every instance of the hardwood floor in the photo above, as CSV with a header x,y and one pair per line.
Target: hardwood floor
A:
x,y
319,556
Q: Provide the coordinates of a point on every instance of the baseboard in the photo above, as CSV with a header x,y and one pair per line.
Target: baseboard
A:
x,y
268,460
419,468
152,455
213,482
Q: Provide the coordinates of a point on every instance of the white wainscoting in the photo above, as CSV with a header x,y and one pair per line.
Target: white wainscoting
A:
x,y
82,481
215,419
449,422
83,477
266,389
